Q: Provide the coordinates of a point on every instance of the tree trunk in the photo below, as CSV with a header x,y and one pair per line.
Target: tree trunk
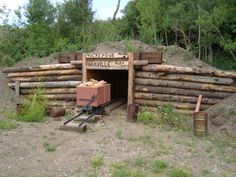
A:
x,y
116,11
210,51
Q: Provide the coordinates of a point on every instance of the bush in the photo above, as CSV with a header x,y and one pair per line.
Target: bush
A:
x,y
159,166
33,110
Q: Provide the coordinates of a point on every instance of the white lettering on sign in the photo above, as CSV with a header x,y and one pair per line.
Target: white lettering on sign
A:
x,y
106,64
105,55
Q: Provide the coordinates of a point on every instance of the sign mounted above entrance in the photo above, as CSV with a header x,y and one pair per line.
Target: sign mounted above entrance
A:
x,y
110,64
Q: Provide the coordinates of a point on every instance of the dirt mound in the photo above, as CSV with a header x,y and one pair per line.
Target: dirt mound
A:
x,y
8,98
222,116
173,55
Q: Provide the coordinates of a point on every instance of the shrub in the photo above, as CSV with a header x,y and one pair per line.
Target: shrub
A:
x,y
34,110
145,117
97,162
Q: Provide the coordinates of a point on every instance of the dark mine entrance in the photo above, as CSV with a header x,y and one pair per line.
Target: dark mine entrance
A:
x,y
117,78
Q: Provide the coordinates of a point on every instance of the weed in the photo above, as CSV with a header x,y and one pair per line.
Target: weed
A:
x,y
205,172
49,147
146,138
7,124
162,148
145,117
140,174
34,110
93,174
97,161
119,134
139,161
121,170
179,173
158,166
129,47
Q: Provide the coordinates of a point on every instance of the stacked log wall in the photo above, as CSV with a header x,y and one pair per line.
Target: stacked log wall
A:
x,y
157,85
56,82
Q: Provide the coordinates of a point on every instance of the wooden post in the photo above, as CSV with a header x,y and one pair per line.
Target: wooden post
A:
x,y
131,73
198,103
84,69
17,88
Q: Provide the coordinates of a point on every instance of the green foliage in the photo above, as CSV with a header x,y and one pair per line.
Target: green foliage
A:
x,y
34,110
97,161
7,124
179,173
139,161
145,117
159,165
49,147
121,170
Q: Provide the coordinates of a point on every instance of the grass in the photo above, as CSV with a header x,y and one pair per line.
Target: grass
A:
x,y
97,161
34,110
7,124
179,173
121,170
119,134
159,165
145,117
49,147
139,162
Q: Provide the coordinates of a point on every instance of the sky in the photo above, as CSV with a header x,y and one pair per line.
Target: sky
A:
x,y
103,8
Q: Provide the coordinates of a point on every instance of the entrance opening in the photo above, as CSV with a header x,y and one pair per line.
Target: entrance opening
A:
x,y
117,78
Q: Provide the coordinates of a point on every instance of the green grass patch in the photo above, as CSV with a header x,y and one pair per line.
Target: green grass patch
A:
x,y
145,117
49,147
7,124
159,165
139,161
33,110
179,173
97,161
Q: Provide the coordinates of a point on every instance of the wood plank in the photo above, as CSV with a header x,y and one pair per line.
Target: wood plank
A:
x,y
152,57
17,88
106,55
185,77
50,91
199,101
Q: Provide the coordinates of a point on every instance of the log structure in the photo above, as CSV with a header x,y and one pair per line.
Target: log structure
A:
x,y
157,85
56,82
150,83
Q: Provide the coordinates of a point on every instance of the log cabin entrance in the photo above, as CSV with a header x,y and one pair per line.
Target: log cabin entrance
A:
x,y
115,68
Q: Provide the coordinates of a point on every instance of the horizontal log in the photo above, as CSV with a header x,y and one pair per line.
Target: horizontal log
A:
x,y
48,78
66,97
46,73
156,110
39,68
154,103
140,62
46,84
185,77
64,104
178,91
188,70
76,62
174,98
183,84
49,91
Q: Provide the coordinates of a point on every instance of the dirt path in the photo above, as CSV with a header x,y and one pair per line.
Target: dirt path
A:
x,y
25,151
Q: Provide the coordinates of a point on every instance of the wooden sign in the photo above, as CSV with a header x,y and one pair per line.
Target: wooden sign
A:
x,y
107,64
105,55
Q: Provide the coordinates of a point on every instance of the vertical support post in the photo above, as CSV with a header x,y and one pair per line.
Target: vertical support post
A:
x,y
84,69
17,88
131,73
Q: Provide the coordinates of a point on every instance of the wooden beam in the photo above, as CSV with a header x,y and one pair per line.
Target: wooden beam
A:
x,y
185,77
131,73
199,100
48,78
45,73
140,62
76,62
179,91
185,85
17,88
39,68
59,84
84,69
50,91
